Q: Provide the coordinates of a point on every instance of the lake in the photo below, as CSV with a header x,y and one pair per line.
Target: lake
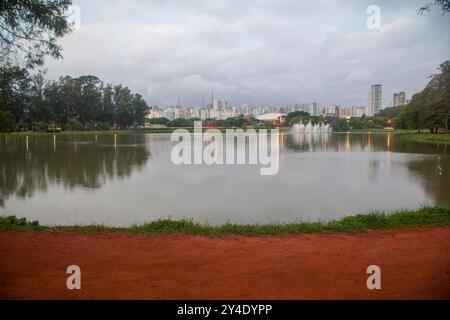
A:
x,y
130,178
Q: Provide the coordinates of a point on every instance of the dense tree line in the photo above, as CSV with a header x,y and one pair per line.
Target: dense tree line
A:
x,y
430,108
28,102
390,112
302,116
29,31
233,122
359,123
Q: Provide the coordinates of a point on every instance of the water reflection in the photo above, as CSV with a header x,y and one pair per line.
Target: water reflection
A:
x,y
123,179
434,175
359,142
323,142
432,172
32,163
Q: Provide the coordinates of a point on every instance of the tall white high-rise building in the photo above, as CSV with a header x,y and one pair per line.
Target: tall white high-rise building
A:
x,y
374,103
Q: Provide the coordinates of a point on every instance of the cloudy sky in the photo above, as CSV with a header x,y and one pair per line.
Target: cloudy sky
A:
x,y
255,52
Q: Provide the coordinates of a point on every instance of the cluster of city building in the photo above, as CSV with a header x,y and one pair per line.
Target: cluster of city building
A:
x,y
219,108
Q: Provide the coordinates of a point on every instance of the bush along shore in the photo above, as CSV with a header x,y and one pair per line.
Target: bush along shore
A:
x,y
426,216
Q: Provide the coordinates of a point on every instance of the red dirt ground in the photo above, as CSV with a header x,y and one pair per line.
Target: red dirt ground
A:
x,y
415,264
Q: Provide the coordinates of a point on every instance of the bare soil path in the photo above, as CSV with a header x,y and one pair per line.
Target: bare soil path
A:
x,y
415,264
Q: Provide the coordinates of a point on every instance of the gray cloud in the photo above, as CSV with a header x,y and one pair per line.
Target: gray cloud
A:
x,y
255,51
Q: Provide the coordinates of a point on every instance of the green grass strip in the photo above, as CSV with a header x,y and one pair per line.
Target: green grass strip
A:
x,y
438,138
425,216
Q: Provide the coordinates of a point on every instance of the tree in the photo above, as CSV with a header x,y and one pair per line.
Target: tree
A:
x,y
54,101
390,112
90,99
430,108
6,123
82,103
106,114
140,109
161,121
444,4
29,31
122,101
181,122
14,82
439,99
38,112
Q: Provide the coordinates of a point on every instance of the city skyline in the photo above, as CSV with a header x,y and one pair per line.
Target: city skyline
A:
x,y
219,108
399,99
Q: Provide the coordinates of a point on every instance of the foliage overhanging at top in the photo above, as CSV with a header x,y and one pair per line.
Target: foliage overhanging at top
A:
x,y
444,4
29,30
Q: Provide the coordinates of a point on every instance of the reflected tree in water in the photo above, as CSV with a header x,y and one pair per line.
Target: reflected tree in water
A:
x,y
434,174
30,164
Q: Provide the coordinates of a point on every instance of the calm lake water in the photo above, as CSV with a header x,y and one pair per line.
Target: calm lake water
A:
x,y
82,179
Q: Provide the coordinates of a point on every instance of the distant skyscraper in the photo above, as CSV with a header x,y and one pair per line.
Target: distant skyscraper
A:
x,y
399,99
245,109
313,109
374,99
219,104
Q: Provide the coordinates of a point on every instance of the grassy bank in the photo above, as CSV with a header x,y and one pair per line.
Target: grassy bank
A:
x,y
109,132
438,138
94,132
383,131
373,130
426,216
68,133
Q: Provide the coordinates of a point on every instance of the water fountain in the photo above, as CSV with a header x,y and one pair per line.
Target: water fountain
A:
x,y
310,128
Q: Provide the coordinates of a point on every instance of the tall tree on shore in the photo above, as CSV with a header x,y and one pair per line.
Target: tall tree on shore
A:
x,y
439,98
430,108
106,114
14,82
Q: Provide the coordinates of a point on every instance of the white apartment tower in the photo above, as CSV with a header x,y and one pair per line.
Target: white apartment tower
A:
x,y
374,103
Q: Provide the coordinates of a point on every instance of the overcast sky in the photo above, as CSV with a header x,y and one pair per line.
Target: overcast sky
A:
x,y
255,52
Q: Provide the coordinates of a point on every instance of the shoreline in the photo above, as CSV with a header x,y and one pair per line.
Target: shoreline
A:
x,y
394,220
412,135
